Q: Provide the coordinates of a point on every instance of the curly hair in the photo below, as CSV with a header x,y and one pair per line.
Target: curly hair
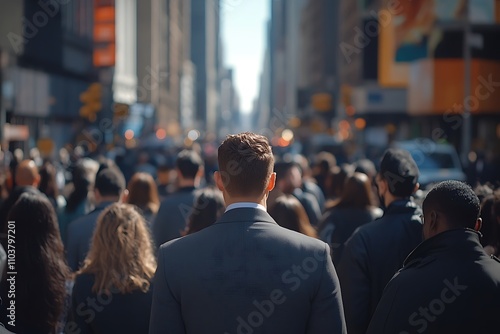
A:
x,y
121,255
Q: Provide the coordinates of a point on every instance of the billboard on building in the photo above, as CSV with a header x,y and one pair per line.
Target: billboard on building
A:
x,y
104,33
411,30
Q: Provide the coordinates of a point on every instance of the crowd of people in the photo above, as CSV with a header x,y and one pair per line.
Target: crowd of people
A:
x,y
267,244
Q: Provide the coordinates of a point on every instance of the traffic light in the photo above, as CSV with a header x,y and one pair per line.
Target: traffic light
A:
x,y
91,99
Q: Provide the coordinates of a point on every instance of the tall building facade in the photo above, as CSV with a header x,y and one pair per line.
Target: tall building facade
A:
x,y
205,55
46,53
163,59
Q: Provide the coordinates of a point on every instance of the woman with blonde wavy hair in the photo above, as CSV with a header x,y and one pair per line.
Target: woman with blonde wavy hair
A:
x,y
112,291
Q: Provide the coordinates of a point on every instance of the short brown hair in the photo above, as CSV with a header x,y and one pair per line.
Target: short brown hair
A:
x,y
245,163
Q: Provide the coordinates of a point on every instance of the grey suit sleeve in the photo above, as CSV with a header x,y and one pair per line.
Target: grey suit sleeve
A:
x,y
355,283
166,315
327,313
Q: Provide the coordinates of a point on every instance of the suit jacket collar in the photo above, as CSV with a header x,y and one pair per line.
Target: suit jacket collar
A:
x,y
246,215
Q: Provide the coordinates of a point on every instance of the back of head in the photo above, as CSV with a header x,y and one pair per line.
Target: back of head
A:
x,y
81,181
189,163
27,174
367,167
400,171
208,207
110,182
142,192
40,254
288,212
48,184
336,180
288,176
324,161
356,192
456,201
245,164
121,255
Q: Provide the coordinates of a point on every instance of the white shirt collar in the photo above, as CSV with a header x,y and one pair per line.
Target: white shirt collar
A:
x,y
240,205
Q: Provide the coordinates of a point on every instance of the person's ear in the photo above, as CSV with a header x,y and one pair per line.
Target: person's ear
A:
x,y
433,221
272,182
479,224
417,186
218,181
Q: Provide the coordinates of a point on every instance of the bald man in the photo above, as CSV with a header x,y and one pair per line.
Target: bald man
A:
x,y
27,180
27,174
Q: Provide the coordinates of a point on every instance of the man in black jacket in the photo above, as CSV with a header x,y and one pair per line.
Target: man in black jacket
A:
x,y
377,250
174,210
448,283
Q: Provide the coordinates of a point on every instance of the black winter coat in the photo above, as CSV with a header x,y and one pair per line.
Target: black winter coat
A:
x,y
447,285
371,257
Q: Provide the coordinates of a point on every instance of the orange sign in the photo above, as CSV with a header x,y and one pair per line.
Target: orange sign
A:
x,y
104,33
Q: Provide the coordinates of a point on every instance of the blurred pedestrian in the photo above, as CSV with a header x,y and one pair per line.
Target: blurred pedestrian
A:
x,y
48,185
173,214
109,188
236,275
289,182
289,213
27,180
352,210
323,163
208,207
377,250
118,269
448,284
335,182
142,193
489,230
309,184
78,202
164,181
40,288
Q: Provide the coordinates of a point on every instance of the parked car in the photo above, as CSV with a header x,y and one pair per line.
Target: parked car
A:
x,y
436,161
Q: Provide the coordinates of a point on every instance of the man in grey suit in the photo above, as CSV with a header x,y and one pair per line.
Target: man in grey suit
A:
x,y
109,188
245,274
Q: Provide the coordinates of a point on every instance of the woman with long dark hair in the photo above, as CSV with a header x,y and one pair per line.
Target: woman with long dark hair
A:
x,y
289,213
118,270
42,275
208,207
353,209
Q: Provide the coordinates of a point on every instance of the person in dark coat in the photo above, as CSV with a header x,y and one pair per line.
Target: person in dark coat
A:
x,y
448,284
377,250
109,188
172,217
